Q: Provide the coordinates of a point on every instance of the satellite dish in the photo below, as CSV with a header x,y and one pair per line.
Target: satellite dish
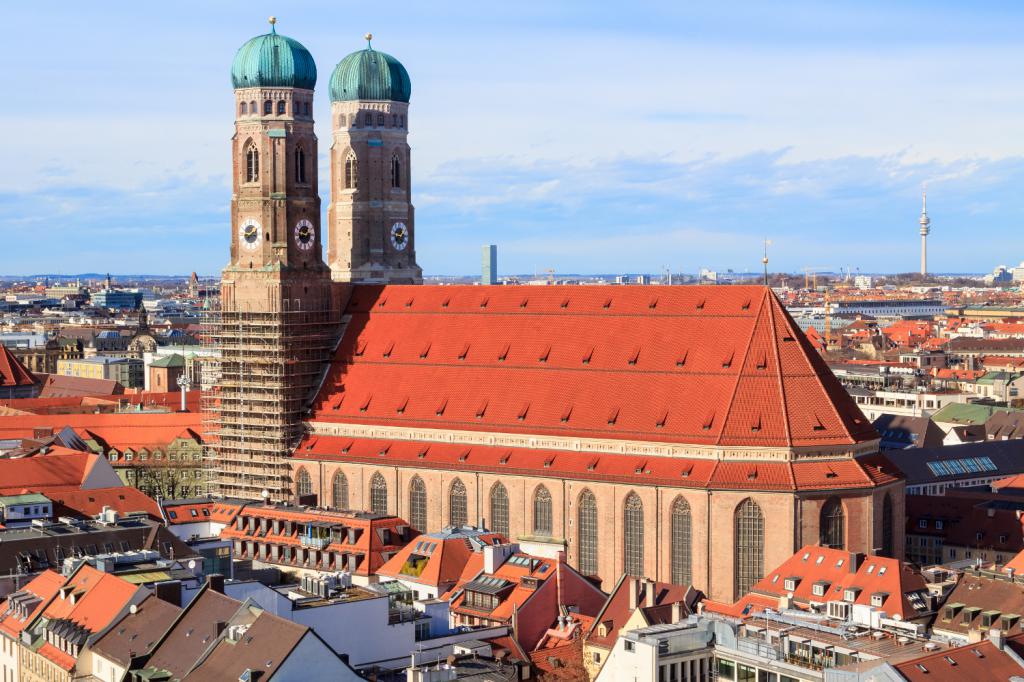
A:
x,y
192,564
133,609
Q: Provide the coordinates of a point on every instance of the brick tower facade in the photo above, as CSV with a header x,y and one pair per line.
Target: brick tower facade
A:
x,y
371,213
276,326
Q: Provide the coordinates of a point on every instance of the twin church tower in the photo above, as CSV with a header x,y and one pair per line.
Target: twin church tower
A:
x,y
279,316
276,200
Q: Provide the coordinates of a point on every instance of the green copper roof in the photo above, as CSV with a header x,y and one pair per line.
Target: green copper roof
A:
x,y
370,75
275,61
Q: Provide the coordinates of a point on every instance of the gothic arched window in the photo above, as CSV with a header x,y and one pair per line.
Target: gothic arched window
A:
x,y
887,543
268,107
633,535
833,524
457,505
542,512
749,540
243,109
252,163
368,119
300,164
396,171
380,120
586,525
339,491
303,483
280,107
252,108
418,504
681,554
378,494
351,172
499,509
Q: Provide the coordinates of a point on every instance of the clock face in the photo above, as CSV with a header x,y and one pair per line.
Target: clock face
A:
x,y
399,236
305,234
250,232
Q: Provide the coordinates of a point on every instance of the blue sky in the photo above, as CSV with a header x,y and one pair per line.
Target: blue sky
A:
x,y
579,136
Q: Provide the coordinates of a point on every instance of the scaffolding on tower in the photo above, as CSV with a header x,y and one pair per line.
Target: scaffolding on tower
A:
x,y
268,368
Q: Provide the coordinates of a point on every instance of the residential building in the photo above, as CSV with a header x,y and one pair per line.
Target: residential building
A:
x,y
19,610
981,602
126,371
900,432
932,471
963,528
15,380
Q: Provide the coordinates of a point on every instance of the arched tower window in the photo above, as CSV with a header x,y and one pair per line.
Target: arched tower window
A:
x,y
339,491
586,525
633,535
268,107
542,512
303,483
378,494
351,172
887,542
833,524
300,164
380,120
499,509
396,172
418,504
681,554
252,163
252,108
749,553
457,505
280,107
243,109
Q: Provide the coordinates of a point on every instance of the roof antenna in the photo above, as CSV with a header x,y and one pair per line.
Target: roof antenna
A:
x,y
273,27
368,37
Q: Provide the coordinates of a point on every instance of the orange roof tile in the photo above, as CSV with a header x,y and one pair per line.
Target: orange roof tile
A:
x,y
12,372
550,361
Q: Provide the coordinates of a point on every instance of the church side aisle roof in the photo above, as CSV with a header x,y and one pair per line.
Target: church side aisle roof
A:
x,y
703,365
678,472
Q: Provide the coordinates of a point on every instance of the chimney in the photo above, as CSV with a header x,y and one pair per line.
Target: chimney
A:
x,y
995,635
677,611
169,591
633,585
216,582
650,593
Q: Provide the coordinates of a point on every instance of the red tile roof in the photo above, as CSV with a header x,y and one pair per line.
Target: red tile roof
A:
x,y
839,571
45,472
12,372
616,611
91,502
980,661
43,586
551,360
437,559
861,472
118,430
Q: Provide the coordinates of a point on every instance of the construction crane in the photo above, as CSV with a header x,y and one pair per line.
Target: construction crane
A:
x,y
811,275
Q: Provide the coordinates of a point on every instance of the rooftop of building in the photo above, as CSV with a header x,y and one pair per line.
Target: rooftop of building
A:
x,y
545,361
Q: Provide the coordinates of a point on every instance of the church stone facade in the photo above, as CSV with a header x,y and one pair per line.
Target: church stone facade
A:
x,y
686,434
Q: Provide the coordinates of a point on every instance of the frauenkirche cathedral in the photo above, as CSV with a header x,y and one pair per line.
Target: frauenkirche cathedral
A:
x,y
687,434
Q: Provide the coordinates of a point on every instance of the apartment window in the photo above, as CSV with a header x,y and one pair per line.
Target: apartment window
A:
x,y
378,494
681,560
418,504
339,491
633,535
833,524
586,524
749,552
457,504
303,483
542,511
922,523
499,509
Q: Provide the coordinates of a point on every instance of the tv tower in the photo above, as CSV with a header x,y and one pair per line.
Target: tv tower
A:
x,y
926,225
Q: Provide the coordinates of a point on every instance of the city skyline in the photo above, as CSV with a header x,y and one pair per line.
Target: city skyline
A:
x,y
681,167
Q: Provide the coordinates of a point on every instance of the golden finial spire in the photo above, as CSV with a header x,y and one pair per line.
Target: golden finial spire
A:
x,y
368,37
273,21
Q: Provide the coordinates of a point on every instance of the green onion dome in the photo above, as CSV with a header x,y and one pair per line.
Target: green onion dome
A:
x,y
370,75
274,61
